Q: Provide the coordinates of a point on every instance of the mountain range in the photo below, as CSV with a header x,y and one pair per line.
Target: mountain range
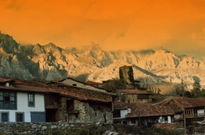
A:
x,y
51,62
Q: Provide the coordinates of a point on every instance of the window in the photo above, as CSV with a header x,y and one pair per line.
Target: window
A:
x,y
19,117
4,117
31,100
38,117
116,114
8,100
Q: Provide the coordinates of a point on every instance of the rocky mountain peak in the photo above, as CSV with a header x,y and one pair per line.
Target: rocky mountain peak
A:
x,y
51,62
7,43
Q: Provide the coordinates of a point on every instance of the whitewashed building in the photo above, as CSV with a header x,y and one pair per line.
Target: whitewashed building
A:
x,y
21,101
31,101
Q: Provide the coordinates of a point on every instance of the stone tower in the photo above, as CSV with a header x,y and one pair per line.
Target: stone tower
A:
x,y
126,74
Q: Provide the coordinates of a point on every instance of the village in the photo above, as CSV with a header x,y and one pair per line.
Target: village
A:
x,y
73,101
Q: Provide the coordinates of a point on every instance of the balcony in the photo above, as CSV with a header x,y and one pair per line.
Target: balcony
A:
x,y
8,106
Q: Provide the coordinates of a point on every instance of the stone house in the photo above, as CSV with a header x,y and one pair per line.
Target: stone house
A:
x,y
134,96
22,101
78,102
142,114
194,109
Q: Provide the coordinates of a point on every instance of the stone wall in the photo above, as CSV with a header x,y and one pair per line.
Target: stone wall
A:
x,y
38,128
85,112
29,128
62,109
126,74
107,129
88,114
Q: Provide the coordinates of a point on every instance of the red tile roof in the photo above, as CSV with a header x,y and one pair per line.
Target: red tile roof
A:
x,y
39,87
120,105
176,103
147,110
4,79
144,110
93,83
25,86
84,94
84,85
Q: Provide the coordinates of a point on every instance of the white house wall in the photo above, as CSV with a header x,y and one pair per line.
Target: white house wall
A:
x,y
22,106
200,112
169,119
123,113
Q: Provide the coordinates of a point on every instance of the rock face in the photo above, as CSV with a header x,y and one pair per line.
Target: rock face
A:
x,y
53,63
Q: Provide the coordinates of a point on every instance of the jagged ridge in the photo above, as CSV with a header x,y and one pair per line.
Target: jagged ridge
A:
x,y
53,63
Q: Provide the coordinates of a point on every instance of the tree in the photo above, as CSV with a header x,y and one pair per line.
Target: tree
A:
x,y
114,84
203,92
180,90
196,91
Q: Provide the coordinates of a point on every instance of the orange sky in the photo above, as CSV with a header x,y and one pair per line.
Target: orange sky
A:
x,y
178,25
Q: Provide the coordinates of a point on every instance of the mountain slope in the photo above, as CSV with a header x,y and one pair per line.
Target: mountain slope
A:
x,y
53,63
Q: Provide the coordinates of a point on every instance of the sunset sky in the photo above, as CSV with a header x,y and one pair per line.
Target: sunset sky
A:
x,y
177,25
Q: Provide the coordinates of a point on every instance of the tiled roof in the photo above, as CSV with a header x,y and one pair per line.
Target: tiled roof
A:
x,y
25,86
92,83
144,110
70,81
4,79
85,94
39,87
133,91
147,110
121,105
177,106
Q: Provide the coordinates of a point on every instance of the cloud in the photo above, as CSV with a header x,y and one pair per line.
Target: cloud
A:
x,y
11,4
114,24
